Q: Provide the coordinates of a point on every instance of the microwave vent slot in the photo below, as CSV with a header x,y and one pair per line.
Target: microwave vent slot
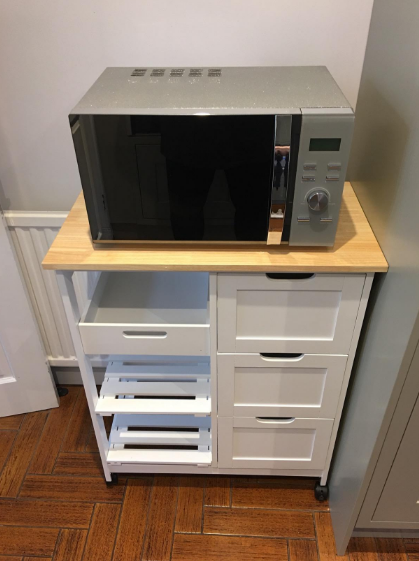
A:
x,y
195,72
139,72
157,72
177,72
214,72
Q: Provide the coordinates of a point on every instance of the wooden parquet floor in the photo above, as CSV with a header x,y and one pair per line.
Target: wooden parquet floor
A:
x,y
55,505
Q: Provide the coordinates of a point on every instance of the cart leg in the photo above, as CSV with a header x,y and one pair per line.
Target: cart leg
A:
x,y
68,294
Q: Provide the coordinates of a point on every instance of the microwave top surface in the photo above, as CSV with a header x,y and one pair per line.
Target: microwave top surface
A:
x,y
211,90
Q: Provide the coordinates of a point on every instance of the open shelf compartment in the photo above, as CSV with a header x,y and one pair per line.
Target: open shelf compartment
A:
x,y
148,313
166,439
155,389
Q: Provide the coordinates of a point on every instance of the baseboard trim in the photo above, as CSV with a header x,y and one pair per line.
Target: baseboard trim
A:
x,y
72,377
72,362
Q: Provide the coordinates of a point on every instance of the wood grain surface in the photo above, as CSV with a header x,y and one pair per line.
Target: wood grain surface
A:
x,y
102,533
161,519
45,513
62,488
274,492
217,491
28,541
325,538
70,546
21,454
258,522
55,428
363,549
132,526
303,550
74,463
226,548
190,505
356,250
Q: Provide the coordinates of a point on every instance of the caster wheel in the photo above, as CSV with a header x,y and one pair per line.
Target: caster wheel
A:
x,y
114,480
321,492
62,391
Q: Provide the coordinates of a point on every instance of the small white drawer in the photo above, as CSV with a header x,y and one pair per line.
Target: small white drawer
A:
x,y
148,314
252,385
287,313
273,443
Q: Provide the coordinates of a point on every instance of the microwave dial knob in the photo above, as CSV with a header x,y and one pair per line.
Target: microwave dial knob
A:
x,y
318,200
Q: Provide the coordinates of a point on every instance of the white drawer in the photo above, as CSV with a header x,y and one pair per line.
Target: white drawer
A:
x,y
289,314
148,314
273,443
252,385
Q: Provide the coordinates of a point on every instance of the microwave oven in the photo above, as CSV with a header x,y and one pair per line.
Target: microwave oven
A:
x,y
245,155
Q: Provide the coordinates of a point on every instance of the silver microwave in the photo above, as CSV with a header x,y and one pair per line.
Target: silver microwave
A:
x,y
245,155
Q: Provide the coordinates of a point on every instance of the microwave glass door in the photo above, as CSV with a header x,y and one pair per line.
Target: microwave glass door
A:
x,y
178,177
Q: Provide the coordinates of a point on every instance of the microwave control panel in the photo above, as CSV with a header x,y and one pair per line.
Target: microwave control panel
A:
x,y
322,163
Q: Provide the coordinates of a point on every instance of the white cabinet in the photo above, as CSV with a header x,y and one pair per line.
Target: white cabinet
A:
x,y
279,386
275,443
219,373
148,314
287,313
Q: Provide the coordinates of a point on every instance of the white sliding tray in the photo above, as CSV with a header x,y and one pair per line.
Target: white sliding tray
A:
x,y
155,389
167,439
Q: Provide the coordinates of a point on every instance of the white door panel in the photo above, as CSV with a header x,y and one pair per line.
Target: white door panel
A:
x,y
25,379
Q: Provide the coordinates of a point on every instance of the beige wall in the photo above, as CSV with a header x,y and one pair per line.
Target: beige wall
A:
x,y
52,50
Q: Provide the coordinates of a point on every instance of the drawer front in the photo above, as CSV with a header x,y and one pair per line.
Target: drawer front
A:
x,y
142,339
257,313
273,444
251,385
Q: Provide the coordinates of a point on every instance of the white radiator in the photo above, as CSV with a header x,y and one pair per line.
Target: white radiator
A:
x,y
32,234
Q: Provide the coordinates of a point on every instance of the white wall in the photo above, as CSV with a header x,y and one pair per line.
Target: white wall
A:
x,y
52,50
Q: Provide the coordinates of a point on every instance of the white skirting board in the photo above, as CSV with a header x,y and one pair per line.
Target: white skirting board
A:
x,y
32,234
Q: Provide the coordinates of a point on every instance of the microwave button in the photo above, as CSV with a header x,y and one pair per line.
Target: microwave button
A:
x,y
309,178
332,178
326,219
334,167
303,219
310,167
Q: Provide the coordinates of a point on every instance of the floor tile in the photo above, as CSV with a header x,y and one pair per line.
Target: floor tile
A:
x,y
27,541
161,518
279,492
217,491
102,533
132,525
73,463
258,522
325,538
70,545
55,428
80,425
189,547
303,550
45,513
21,454
67,488
190,505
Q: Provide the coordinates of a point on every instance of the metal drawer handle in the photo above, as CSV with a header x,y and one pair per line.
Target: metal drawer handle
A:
x,y
144,334
272,357
290,276
275,420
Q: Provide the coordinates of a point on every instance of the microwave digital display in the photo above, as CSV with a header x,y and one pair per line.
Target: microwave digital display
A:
x,y
325,144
